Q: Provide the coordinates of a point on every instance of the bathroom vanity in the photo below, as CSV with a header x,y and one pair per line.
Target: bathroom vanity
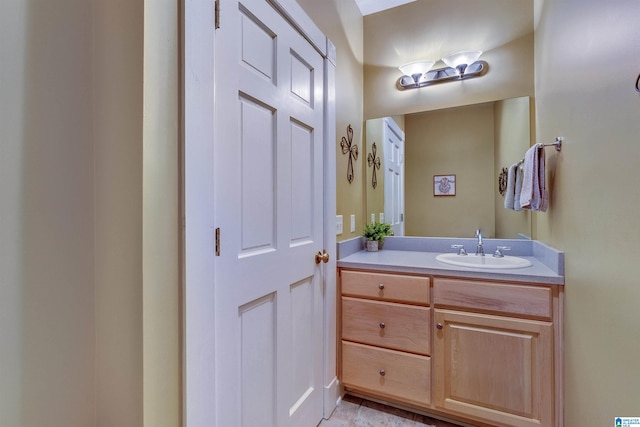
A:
x,y
479,345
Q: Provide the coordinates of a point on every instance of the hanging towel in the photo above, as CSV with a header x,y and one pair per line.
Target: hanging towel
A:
x,y
509,195
543,202
518,188
534,194
529,177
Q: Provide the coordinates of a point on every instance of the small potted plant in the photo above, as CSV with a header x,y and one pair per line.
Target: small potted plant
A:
x,y
375,234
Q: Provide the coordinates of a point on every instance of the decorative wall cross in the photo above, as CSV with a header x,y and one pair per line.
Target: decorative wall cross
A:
x,y
502,181
375,162
351,149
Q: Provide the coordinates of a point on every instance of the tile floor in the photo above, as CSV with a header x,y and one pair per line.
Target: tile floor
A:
x,y
355,412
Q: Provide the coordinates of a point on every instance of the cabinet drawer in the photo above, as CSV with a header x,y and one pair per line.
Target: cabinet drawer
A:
x,y
398,326
387,372
495,297
391,287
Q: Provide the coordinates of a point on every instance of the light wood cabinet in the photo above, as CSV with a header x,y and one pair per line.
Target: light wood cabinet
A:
x,y
497,369
386,336
485,352
494,351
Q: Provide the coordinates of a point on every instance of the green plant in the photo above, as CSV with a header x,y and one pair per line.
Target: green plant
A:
x,y
377,231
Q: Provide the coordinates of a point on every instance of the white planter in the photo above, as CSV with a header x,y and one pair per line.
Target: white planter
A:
x,y
372,245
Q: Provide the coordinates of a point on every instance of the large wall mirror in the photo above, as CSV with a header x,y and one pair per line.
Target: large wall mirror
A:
x,y
469,145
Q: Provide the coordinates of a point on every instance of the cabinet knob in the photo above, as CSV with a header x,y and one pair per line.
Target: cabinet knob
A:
x,y
382,325
381,286
439,326
382,373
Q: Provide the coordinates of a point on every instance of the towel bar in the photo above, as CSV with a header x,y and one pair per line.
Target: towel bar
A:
x,y
557,143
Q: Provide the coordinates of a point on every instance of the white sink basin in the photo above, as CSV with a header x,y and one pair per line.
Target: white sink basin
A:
x,y
487,261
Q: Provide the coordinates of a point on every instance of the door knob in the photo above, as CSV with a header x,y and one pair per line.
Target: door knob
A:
x,y
439,326
322,257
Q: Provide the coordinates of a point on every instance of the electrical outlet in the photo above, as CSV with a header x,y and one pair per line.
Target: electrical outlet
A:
x,y
338,224
373,218
353,223
381,216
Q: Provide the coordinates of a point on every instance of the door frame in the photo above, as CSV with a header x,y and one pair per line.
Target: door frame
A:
x,y
198,373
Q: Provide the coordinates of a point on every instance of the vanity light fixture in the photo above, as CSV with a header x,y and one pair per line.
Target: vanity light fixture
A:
x,y
461,60
416,69
460,66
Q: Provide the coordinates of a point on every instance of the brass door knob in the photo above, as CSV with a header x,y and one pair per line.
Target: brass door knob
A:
x,y
322,257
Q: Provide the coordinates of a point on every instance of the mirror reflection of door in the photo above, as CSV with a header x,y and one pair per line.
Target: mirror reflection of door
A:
x,y
393,152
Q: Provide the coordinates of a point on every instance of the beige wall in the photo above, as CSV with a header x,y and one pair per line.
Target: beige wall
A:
x,y
342,22
47,309
450,142
118,219
72,304
593,213
431,29
161,247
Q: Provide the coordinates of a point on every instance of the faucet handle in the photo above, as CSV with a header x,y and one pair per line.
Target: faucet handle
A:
x,y
460,249
499,253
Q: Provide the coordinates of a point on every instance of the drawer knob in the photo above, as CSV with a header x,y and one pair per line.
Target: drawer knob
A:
x,y
439,326
382,373
381,286
382,325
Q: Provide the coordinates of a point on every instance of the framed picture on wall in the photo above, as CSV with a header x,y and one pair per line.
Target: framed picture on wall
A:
x,y
444,185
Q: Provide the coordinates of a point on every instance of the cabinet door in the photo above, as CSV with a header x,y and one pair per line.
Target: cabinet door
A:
x,y
493,368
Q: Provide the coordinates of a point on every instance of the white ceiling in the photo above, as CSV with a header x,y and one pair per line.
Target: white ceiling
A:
x,y
367,7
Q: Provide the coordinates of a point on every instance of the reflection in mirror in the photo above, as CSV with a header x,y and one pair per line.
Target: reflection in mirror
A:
x,y
471,142
386,204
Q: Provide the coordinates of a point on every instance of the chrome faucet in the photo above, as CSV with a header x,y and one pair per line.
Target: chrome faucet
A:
x,y
480,247
499,253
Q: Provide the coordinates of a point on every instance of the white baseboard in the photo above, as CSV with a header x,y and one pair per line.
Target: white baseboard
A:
x,y
331,397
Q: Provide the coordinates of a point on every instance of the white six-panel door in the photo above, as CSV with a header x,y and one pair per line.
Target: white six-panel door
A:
x,y
393,150
268,165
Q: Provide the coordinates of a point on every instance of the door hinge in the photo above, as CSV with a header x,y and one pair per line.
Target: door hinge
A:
x,y
218,241
217,13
